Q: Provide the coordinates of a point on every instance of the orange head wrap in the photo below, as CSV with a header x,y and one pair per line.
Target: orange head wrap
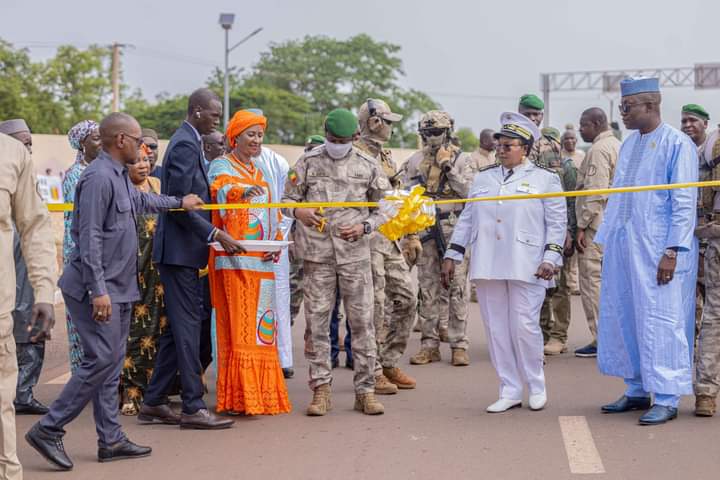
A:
x,y
241,121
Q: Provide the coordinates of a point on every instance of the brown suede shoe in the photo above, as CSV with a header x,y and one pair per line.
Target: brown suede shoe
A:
x,y
203,419
705,406
321,401
158,414
426,355
368,404
460,357
383,386
399,378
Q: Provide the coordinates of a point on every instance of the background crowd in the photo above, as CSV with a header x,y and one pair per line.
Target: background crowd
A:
x,y
147,273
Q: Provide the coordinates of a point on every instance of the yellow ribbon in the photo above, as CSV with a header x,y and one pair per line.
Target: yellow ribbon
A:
x,y
408,212
67,207
411,212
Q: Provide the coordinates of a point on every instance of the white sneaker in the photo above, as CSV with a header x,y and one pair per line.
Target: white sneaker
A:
x,y
503,404
538,401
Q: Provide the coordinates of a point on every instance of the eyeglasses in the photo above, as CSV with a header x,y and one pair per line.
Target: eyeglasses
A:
x,y
138,140
152,146
507,146
626,107
432,132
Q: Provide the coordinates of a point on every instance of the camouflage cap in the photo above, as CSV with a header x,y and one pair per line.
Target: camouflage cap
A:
x,y
374,107
551,132
435,119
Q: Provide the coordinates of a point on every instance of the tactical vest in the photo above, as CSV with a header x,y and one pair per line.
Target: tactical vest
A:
x,y
435,182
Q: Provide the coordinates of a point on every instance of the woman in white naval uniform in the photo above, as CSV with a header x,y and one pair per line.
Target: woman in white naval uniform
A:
x,y
515,247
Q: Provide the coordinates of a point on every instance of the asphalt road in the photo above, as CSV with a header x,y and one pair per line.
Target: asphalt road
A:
x,y
438,431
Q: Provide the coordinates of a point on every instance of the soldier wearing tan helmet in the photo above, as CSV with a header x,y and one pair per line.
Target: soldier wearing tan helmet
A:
x,y
391,274
445,172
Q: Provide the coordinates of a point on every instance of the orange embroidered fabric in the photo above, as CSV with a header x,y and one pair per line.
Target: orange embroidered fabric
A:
x,y
250,379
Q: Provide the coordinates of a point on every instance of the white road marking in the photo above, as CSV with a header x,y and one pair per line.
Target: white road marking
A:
x,y
582,454
61,380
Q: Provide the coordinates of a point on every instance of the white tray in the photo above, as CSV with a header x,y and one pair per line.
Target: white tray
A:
x,y
256,245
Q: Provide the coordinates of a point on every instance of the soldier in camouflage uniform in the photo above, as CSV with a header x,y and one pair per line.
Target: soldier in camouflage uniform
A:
x,y
296,262
546,153
444,171
707,374
557,304
335,245
391,276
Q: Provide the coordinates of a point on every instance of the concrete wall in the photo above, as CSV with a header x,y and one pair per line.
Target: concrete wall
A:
x,y
54,152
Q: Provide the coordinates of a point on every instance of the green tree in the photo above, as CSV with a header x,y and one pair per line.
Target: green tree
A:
x,y
79,81
22,94
164,115
468,140
331,73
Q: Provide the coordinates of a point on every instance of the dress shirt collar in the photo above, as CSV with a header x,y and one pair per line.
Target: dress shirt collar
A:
x,y
197,134
114,164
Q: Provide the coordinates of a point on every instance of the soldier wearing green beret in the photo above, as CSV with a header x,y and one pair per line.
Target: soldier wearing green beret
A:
x,y
335,245
547,153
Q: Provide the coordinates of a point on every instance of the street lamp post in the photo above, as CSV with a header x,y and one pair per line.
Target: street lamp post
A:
x,y
226,22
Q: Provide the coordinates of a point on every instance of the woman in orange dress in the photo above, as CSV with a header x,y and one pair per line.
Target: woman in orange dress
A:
x,y
242,286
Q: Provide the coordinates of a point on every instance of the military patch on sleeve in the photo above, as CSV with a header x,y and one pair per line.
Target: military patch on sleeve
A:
x,y
592,170
292,176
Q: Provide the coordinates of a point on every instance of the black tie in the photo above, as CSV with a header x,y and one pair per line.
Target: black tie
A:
x,y
509,174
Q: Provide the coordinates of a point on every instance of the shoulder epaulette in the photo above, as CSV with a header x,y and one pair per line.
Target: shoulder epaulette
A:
x,y
365,156
488,167
315,152
547,169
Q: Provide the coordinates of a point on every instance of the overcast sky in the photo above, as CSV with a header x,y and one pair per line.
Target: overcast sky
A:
x,y
475,58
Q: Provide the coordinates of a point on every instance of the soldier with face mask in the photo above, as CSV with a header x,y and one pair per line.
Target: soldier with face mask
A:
x,y
391,275
445,172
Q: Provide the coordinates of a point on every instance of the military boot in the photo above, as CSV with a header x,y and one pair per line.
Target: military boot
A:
x,y
554,347
460,357
426,355
704,406
368,404
321,402
383,386
399,378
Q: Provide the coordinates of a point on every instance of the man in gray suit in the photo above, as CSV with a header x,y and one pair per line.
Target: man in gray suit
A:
x,y
99,286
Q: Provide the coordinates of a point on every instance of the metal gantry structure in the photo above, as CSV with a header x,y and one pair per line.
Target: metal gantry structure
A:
x,y
701,77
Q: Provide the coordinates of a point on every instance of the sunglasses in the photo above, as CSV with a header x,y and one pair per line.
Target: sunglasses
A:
x,y
507,146
626,107
152,146
432,132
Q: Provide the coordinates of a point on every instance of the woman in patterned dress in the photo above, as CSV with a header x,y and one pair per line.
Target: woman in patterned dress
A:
x,y
148,316
85,138
242,286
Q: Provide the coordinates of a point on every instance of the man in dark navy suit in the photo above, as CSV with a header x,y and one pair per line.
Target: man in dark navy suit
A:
x,y
180,251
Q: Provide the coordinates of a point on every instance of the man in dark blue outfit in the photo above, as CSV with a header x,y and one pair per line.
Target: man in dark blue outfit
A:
x,y
180,251
99,285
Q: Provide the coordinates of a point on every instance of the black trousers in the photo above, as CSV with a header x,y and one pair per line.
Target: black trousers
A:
x,y
206,332
179,345
98,376
30,358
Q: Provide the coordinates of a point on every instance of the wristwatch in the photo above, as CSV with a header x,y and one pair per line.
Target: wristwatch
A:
x,y
670,253
367,228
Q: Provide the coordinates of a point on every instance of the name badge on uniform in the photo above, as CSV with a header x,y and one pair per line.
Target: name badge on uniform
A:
x,y
525,187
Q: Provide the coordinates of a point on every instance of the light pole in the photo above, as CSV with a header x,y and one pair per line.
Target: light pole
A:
x,y
226,22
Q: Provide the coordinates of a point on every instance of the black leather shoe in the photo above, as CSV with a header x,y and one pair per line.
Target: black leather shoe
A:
x,y
288,372
658,415
158,414
627,404
121,450
49,446
32,408
204,420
